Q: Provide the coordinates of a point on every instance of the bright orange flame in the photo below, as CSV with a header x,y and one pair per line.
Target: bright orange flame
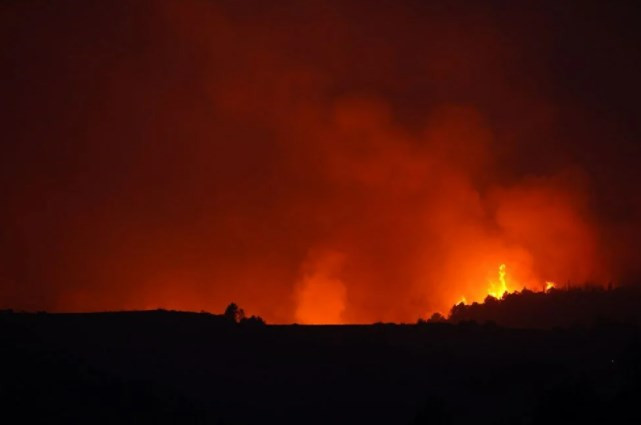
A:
x,y
498,289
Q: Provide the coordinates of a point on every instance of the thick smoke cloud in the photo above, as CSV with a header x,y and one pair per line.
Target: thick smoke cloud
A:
x,y
312,161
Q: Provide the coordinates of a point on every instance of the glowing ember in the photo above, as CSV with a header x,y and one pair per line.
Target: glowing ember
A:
x,y
498,289
549,285
462,301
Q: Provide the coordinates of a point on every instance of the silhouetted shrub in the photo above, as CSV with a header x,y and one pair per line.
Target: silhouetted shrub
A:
x,y
252,321
437,318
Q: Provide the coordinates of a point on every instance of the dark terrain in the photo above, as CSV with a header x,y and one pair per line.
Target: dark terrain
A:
x,y
173,367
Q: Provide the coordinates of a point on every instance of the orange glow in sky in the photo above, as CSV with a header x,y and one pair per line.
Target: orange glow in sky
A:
x,y
308,161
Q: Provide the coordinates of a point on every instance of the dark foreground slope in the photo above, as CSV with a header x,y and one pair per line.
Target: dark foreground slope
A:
x,y
166,367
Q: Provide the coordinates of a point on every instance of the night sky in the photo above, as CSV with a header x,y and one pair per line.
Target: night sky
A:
x,y
315,161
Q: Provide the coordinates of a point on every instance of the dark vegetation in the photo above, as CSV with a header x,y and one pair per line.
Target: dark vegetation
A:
x,y
557,307
177,367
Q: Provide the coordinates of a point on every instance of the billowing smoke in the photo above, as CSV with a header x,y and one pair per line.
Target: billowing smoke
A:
x,y
330,162
320,295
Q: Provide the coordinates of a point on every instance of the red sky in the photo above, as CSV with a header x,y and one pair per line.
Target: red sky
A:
x,y
347,161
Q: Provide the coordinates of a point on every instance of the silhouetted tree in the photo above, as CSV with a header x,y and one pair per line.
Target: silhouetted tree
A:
x,y
234,314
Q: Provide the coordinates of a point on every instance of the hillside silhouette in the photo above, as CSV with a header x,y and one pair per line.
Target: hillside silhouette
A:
x,y
554,308
180,367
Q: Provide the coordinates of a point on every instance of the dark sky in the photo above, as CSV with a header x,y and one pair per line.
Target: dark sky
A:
x,y
316,161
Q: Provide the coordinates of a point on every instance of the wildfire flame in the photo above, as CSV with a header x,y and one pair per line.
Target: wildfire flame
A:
x,y
498,289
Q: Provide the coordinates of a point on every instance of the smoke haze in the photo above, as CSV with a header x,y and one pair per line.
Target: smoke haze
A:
x,y
319,162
